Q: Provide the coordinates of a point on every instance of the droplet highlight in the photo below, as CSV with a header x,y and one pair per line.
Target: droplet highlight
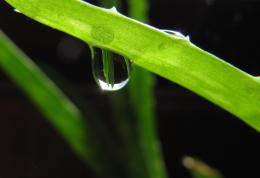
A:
x,y
111,71
113,9
16,10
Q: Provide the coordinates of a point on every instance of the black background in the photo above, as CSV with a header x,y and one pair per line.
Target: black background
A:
x,y
187,124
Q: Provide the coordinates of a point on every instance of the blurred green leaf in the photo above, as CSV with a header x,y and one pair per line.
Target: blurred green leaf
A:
x,y
58,109
43,92
141,89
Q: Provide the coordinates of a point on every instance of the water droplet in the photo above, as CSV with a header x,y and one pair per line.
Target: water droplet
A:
x,y
111,71
16,10
177,34
113,9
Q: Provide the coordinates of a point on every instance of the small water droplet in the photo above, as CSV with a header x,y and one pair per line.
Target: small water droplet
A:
x,y
16,10
113,9
111,71
177,34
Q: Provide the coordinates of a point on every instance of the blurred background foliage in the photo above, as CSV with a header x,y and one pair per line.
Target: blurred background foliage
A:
x,y
121,135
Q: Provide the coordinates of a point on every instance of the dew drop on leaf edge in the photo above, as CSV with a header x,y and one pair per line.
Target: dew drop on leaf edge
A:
x,y
111,71
177,34
17,11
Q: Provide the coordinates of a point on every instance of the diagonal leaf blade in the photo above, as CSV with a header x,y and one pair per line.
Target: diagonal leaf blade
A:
x,y
170,57
59,110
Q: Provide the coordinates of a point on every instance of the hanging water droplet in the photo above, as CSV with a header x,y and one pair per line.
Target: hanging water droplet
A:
x,y
111,71
177,34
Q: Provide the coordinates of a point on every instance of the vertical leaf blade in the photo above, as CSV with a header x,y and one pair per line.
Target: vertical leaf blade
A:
x,y
141,91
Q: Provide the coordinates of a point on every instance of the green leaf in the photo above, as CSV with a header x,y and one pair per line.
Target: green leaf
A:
x,y
168,56
141,89
199,169
61,112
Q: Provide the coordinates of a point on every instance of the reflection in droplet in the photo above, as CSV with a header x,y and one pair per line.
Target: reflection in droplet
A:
x,y
177,34
111,71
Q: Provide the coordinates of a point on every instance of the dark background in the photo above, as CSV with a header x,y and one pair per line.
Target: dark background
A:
x,y
187,124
